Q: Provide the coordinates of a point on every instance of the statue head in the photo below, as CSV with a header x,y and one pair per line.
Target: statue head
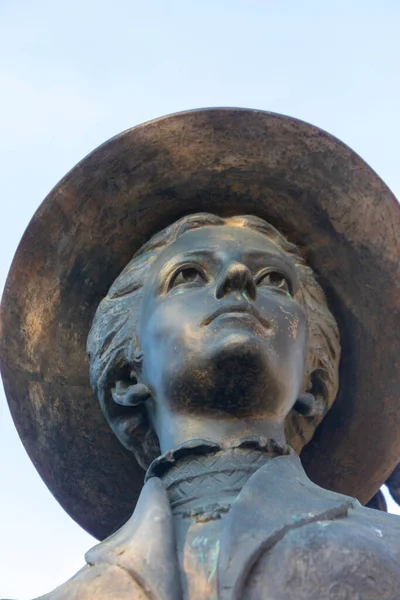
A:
x,y
216,318
154,362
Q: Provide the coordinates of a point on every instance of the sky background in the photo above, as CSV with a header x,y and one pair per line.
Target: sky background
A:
x,y
73,74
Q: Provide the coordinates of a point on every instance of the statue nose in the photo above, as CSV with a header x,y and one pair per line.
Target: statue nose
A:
x,y
237,278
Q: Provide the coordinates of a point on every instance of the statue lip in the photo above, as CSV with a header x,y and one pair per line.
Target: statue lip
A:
x,y
245,308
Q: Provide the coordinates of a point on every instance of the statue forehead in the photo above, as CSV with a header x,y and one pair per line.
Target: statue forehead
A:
x,y
227,239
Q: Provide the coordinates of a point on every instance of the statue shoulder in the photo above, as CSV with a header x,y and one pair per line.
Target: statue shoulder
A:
x,y
348,555
378,525
102,581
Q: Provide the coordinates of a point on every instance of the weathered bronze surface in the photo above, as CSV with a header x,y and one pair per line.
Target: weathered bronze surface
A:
x,y
215,357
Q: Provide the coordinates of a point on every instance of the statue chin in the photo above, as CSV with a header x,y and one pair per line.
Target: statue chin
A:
x,y
235,373
238,344
243,370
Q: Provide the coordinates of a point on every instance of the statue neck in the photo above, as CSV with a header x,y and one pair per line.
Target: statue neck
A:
x,y
203,479
174,429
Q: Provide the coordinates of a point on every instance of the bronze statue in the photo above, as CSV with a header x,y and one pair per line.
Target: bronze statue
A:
x,y
214,356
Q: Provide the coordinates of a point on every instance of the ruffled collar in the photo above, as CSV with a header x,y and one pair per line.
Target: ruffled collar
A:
x,y
203,478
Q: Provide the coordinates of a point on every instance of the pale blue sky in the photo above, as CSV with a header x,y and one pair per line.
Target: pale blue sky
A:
x,y
75,73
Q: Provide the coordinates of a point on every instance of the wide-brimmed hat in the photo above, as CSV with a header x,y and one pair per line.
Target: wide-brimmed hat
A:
x,y
308,184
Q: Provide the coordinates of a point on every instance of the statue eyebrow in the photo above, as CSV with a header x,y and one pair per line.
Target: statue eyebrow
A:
x,y
212,252
278,254
197,252
257,252
186,256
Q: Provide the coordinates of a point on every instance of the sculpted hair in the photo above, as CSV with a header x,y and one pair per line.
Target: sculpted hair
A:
x,y
114,352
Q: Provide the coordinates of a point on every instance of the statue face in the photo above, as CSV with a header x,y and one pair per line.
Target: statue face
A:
x,y
220,328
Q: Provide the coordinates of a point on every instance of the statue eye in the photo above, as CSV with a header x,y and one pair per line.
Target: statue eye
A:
x,y
274,279
189,274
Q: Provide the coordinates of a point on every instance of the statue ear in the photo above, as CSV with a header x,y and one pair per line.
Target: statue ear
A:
x,y
306,405
130,394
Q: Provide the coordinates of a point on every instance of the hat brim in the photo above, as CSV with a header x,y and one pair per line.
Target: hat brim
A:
x,y
308,184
